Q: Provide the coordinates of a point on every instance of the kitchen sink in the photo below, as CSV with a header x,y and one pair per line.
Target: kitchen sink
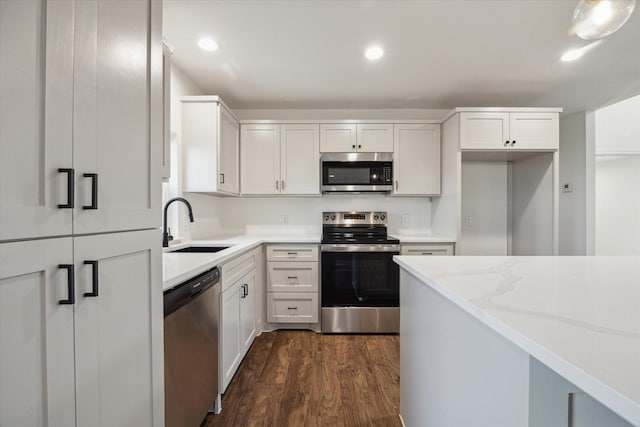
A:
x,y
202,249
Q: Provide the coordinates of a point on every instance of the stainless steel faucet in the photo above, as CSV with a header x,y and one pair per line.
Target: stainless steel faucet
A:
x,y
165,233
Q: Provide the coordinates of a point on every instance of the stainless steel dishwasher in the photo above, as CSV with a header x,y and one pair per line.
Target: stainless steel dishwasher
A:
x,y
191,349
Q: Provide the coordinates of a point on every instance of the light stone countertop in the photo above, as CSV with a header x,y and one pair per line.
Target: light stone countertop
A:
x,y
580,316
179,266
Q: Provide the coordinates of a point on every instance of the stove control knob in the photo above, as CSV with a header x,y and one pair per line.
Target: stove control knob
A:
x,y
383,217
326,217
333,217
375,217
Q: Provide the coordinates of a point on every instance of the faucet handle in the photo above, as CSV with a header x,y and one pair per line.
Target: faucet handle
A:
x,y
169,236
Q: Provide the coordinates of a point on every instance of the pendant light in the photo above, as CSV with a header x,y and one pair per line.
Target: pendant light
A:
x,y
594,19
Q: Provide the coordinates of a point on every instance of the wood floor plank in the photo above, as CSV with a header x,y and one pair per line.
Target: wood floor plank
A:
x,y
301,378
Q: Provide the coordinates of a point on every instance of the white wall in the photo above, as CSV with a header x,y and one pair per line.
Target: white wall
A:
x,y
181,85
445,217
532,203
485,208
576,160
617,179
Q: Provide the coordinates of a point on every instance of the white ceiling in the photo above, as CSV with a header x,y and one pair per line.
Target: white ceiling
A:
x,y
439,53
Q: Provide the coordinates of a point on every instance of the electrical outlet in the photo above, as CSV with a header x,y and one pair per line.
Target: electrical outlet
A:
x,y
404,219
567,188
467,221
285,219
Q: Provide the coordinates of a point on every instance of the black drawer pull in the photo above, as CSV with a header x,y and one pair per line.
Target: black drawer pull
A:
x,y
71,284
70,188
292,253
292,308
94,190
94,281
292,277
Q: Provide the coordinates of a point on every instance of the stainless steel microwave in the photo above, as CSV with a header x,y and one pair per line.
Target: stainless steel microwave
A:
x,y
356,172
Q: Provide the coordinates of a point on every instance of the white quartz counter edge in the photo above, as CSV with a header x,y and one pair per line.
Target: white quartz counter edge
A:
x,y
614,400
178,267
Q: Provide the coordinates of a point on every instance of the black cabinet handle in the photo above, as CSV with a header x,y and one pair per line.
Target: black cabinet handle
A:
x,y
221,178
71,284
292,308
353,146
292,277
513,142
94,190
94,281
506,143
245,292
70,188
359,146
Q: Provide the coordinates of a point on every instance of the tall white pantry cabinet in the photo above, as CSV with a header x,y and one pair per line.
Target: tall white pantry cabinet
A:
x,y
80,255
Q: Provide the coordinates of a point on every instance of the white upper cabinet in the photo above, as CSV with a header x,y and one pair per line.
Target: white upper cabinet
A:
x,y
229,152
72,147
361,137
416,159
491,130
300,159
210,146
337,138
280,159
36,118
261,159
117,115
374,138
534,131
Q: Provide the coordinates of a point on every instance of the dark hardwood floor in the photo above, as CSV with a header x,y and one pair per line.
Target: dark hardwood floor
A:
x,y
305,379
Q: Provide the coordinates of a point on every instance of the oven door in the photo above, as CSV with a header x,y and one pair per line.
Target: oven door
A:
x,y
354,276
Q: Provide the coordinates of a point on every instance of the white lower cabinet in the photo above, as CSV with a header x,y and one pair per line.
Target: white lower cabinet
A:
x,y
292,285
237,314
292,307
426,249
81,324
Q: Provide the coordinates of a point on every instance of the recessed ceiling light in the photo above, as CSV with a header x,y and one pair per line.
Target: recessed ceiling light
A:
x,y
208,44
374,52
572,55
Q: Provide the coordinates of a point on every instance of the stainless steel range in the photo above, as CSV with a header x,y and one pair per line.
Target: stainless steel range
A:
x,y
360,281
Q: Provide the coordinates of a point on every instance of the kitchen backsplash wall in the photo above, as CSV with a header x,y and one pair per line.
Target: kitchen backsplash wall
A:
x,y
219,215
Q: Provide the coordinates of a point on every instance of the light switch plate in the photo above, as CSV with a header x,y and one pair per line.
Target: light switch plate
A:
x,y
567,188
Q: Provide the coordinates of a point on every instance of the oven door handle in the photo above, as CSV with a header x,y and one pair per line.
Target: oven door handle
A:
x,y
359,248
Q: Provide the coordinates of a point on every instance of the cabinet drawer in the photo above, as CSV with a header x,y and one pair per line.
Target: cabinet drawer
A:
x,y
428,249
292,307
292,276
292,253
233,270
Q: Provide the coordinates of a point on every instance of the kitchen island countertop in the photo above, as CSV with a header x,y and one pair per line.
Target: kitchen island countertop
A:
x,y
580,316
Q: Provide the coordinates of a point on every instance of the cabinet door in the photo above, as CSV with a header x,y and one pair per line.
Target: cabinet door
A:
x,y
166,112
230,349
375,138
416,159
534,131
484,131
260,159
36,348
36,87
247,311
119,331
300,159
337,138
229,154
117,129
